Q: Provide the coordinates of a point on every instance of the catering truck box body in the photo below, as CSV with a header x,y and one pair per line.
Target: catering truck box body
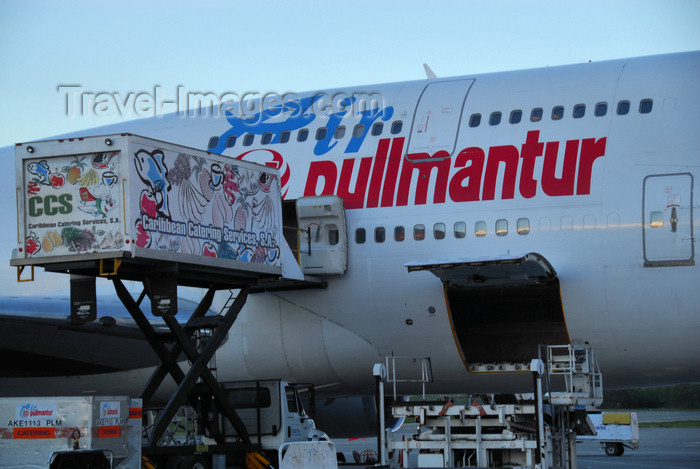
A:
x,y
126,196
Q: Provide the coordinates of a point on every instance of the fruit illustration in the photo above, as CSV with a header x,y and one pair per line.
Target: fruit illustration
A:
x,y
149,205
32,244
209,250
51,240
75,170
57,180
73,174
89,179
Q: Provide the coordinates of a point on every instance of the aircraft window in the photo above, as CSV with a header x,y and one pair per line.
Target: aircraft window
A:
x,y
377,128
557,113
302,135
645,106
623,107
523,226
460,229
480,228
266,138
656,219
419,232
359,130
396,127
380,234
333,236
248,140
321,133
501,227
579,111
475,120
213,142
399,233
439,230
360,235
495,118
230,141
601,109
536,114
339,132
516,116
284,136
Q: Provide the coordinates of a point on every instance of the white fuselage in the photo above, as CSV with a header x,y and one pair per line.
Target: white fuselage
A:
x,y
582,190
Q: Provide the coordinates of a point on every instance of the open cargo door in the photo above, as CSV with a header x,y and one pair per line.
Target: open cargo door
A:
x,y
323,240
501,308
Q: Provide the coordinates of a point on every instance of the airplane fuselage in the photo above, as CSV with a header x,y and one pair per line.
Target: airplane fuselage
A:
x,y
592,166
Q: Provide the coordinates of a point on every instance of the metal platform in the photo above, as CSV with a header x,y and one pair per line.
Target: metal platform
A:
x,y
525,430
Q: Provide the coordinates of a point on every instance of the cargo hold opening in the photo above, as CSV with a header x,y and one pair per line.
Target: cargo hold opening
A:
x,y
501,309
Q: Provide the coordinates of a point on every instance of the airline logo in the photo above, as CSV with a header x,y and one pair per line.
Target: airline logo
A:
x,y
36,411
109,409
388,179
272,159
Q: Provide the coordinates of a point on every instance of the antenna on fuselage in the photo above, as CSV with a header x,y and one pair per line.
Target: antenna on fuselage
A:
x,y
429,72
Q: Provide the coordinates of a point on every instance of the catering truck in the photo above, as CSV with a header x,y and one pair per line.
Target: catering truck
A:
x,y
126,207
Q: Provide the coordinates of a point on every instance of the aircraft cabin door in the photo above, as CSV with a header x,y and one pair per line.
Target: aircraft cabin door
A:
x,y
667,222
437,117
323,240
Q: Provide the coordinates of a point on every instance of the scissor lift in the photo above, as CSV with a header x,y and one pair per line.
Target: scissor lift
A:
x,y
160,282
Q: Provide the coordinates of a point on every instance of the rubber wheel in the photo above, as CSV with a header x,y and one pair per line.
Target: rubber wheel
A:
x,y
614,449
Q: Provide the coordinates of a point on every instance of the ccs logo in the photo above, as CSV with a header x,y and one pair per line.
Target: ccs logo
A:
x,y
50,205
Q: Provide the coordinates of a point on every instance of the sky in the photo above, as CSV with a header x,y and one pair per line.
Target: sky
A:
x,y
53,53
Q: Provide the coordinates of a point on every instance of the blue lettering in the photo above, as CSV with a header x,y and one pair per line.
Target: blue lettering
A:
x,y
323,146
368,118
295,114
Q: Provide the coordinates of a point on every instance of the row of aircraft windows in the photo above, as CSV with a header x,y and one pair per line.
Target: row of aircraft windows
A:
x,y
579,110
303,134
536,114
459,230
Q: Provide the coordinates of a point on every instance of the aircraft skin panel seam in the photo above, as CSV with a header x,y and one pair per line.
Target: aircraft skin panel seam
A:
x,y
282,341
324,318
